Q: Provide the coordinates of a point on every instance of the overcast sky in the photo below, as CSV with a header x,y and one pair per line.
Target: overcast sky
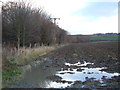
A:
x,y
82,16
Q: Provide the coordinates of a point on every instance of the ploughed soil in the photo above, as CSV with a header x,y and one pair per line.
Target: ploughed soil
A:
x,y
101,54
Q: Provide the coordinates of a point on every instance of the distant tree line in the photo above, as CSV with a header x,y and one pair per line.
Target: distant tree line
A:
x,y
107,34
23,25
78,38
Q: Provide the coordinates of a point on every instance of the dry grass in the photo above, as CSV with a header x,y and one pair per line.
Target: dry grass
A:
x,y
12,59
25,55
29,54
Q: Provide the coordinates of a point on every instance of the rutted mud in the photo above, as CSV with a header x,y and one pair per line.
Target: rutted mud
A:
x,y
76,66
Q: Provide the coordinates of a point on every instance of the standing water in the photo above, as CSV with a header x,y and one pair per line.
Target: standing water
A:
x,y
38,77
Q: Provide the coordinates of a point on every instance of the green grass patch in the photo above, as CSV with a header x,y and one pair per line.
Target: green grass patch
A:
x,y
10,73
103,41
105,37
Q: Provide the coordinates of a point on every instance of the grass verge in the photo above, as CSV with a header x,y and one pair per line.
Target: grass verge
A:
x,y
13,59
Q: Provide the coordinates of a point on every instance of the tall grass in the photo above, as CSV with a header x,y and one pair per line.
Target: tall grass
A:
x,y
25,55
13,58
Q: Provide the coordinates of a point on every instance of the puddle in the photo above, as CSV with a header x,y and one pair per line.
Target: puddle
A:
x,y
79,64
57,85
37,77
83,74
86,73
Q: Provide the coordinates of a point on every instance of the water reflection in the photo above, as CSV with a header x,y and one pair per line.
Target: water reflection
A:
x,y
37,77
57,85
79,64
93,73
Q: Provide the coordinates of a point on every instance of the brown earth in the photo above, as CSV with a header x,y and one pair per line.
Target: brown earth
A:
x,y
101,54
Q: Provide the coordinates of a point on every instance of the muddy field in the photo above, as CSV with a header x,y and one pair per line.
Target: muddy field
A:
x,y
101,54
88,65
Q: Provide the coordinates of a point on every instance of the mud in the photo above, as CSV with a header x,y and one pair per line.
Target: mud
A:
x,y
78,57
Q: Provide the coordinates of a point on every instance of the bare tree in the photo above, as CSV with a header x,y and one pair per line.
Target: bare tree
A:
x,y
24,25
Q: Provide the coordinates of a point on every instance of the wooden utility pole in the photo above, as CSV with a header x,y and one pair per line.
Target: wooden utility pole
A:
x,y
54,20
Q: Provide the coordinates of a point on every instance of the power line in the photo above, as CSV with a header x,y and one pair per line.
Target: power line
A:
x,y
54,20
